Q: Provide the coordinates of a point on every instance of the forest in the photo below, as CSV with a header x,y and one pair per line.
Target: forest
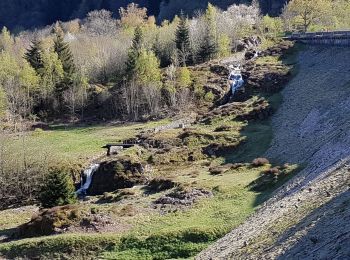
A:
x,y
130,68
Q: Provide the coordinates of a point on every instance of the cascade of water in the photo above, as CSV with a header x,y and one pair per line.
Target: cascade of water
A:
x,y
88,173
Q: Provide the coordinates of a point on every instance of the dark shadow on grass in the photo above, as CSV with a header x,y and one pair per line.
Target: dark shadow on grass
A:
x,y
7,234
269,185
258,138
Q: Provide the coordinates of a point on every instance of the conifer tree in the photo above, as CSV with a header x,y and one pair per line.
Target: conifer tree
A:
x,y
34,55
58,189
66,57
209,45
134,53
182,40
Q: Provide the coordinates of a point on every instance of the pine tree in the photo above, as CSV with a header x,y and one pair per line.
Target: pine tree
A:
x,y
209,45
134,52
182,40
66,57
34,55
208,48
58,189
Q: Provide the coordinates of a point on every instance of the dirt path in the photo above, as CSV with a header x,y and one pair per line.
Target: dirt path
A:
x,y
311,128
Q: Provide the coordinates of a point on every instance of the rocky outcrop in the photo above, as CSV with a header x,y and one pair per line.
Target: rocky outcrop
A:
x,y
116,174
183,197
49,221
247,43
253,109
268,76
64,219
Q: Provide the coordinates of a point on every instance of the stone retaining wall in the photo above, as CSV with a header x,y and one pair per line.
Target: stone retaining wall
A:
x,y
335,38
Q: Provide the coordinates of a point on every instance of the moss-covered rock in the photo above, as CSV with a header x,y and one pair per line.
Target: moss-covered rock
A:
x,y
50,221
116,174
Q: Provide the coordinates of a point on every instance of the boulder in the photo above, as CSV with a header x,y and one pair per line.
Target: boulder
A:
x,y
116,174
50,221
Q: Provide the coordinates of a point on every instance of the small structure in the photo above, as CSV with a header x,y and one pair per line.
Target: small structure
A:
x,y
116,148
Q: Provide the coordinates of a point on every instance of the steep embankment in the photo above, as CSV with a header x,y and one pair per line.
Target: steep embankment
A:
x,y
308,217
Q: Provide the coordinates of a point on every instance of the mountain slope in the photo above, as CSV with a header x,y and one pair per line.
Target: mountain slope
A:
x,y
24,14
308,217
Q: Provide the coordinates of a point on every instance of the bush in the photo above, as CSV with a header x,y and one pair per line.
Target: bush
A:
x,y
260,162
3,102
209,97
183,77
161,184
58,189
271,177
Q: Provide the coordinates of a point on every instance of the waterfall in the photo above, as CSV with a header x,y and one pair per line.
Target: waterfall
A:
x,y
88,173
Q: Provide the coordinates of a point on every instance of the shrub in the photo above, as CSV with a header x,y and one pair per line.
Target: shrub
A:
x,y
224,46
183,77
160,184
209,97
3,102
58,189
260,162
271,177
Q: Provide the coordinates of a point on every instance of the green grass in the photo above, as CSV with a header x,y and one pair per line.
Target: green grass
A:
x,y
74,143
179,234
258,136
268,60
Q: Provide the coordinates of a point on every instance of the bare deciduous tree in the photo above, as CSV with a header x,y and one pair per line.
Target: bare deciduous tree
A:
x,y
99,23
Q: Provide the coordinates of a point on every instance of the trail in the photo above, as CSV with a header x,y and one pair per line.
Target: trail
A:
x,y
307,217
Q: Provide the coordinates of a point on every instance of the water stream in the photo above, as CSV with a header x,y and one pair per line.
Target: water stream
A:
x,y
88,174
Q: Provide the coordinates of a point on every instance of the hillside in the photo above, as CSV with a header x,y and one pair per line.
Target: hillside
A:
x,y
17,14
308,217
185,183
219,134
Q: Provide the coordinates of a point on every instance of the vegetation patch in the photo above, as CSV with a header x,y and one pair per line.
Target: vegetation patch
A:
x,y
51,221
184,197
272,177
120,194
164,246
257,162
161,183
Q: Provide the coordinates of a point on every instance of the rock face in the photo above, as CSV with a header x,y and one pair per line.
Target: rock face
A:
x,y
118,174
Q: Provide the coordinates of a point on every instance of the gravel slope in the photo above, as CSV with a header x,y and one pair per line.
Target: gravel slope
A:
x,y
309,217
